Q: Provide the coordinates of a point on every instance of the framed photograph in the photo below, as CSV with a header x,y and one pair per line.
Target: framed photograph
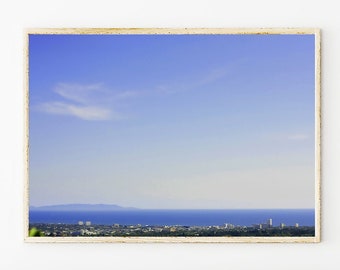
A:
x,y
172,135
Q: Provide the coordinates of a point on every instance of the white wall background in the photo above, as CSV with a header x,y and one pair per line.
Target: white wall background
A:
x,y
16,15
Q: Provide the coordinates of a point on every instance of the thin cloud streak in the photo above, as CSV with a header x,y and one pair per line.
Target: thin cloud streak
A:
x,y
94,102
210,77
83,112
79,93
129,94
85,102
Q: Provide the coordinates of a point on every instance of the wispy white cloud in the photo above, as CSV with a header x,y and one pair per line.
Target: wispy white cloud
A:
x,y
128,94
95,102
86,102
79,93
80,111
207,78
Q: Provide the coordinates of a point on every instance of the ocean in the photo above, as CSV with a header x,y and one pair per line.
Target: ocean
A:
x,y
246,217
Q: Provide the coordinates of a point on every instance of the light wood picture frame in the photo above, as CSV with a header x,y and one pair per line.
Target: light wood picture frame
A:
x,y
173,135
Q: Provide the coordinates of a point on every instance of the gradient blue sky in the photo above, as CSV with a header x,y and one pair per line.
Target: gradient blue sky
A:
x,y
172,121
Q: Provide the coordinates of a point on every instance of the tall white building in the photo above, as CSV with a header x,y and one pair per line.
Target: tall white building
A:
x,y
229,226
270,223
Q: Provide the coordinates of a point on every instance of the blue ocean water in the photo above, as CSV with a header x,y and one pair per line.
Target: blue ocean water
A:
x,y
305,217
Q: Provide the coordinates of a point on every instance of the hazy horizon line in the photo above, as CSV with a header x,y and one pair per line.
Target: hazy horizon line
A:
x,y
143,208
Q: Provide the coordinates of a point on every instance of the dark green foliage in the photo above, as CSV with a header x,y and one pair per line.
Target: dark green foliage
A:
x,y
72,230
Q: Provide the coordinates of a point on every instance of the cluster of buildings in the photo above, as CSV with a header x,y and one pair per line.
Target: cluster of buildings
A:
x,y
86,228
87,223
228,226
266,225
269,224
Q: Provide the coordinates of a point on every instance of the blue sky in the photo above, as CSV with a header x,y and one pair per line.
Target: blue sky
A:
x,y
172,121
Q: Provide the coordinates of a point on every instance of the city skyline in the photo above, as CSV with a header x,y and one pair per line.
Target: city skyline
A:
x,y
172,121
